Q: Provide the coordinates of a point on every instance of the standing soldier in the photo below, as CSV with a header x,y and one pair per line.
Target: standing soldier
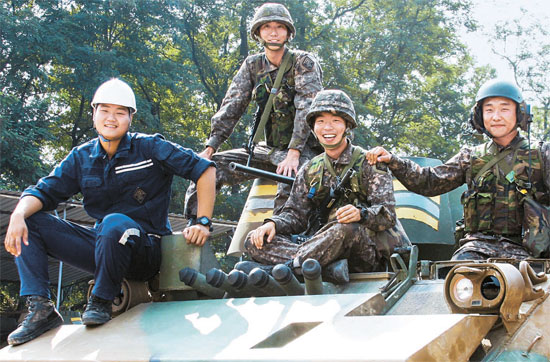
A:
x,y
281,107
500,175
346,205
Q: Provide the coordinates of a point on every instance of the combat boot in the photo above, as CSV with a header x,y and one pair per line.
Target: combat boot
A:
x,y
41,318
337,272
247,266
98,311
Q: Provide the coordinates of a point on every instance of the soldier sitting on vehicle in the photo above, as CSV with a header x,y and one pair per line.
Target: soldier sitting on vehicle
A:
x,y
339,204
281,108
125,180
500,175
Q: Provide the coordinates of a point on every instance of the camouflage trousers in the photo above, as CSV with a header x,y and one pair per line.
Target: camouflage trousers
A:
x,y
265,158
479,246
332,242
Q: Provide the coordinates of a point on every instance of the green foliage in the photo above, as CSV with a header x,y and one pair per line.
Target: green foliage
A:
x,y
9,297
74,296
526,49
400,61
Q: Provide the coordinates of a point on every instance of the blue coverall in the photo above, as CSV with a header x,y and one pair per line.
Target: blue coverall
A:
x,y
128,195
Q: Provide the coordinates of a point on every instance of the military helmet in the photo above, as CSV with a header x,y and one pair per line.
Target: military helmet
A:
x,y
271,12
500,88
333,101
115,91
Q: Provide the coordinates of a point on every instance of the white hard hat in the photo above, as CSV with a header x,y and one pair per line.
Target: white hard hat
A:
x,y
115,91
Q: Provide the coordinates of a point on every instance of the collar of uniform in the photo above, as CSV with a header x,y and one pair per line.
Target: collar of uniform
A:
x,y
500,148
122,150
345,156
269,67
124,146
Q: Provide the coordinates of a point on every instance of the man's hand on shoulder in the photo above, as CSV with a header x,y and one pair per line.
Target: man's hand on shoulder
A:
x,y
378,154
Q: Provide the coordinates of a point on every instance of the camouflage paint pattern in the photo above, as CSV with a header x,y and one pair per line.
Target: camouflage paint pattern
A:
x,y
356,241
432,181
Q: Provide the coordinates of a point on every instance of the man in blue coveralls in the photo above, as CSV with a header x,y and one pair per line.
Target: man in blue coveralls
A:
x,y
125,180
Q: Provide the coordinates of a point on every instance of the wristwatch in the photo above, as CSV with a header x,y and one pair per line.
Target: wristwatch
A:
x,y
205,221
364,213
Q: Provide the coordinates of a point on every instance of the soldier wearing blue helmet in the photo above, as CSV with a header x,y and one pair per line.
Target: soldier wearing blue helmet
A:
x,y
508,181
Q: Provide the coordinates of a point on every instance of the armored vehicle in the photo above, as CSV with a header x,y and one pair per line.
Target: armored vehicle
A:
x,y
424,307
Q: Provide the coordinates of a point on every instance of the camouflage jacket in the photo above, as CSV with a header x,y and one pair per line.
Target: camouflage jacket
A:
x,y
379,202
460,169
302,82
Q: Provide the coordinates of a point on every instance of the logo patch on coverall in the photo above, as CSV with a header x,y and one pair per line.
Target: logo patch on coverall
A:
x,y
140,195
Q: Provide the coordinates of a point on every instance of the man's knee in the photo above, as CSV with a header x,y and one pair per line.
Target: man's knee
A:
x,y
118,227
116,221
344,230
39,220
468,255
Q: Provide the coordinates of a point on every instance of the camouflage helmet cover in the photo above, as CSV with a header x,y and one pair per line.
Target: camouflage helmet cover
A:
x,y
500,88
333,101
271,12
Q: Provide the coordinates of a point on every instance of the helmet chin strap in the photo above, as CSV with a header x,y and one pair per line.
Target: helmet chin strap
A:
x,y
103,139
265,44
277,46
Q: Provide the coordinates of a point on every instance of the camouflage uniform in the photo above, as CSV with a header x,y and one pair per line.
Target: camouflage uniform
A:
x,y
355,241
490,231
286,127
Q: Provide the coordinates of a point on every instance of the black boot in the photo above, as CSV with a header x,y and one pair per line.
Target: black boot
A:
x,y
41,318
98,311
337,272
247,266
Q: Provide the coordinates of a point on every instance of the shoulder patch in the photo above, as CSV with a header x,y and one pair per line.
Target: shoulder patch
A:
x,y
308,63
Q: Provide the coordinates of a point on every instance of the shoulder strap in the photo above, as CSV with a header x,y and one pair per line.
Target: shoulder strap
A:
x,y
491,163
267,110
495,160
356,154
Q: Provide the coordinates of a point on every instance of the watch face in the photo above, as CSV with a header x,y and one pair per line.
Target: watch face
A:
x,y
203,220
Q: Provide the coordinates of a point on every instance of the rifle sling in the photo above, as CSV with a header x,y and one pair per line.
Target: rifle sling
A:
x,y
354,156
328,164
267,110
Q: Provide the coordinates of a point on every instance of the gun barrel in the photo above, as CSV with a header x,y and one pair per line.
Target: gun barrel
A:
x,y
197,281
261,173
311,270
218,279
286,279
261,279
